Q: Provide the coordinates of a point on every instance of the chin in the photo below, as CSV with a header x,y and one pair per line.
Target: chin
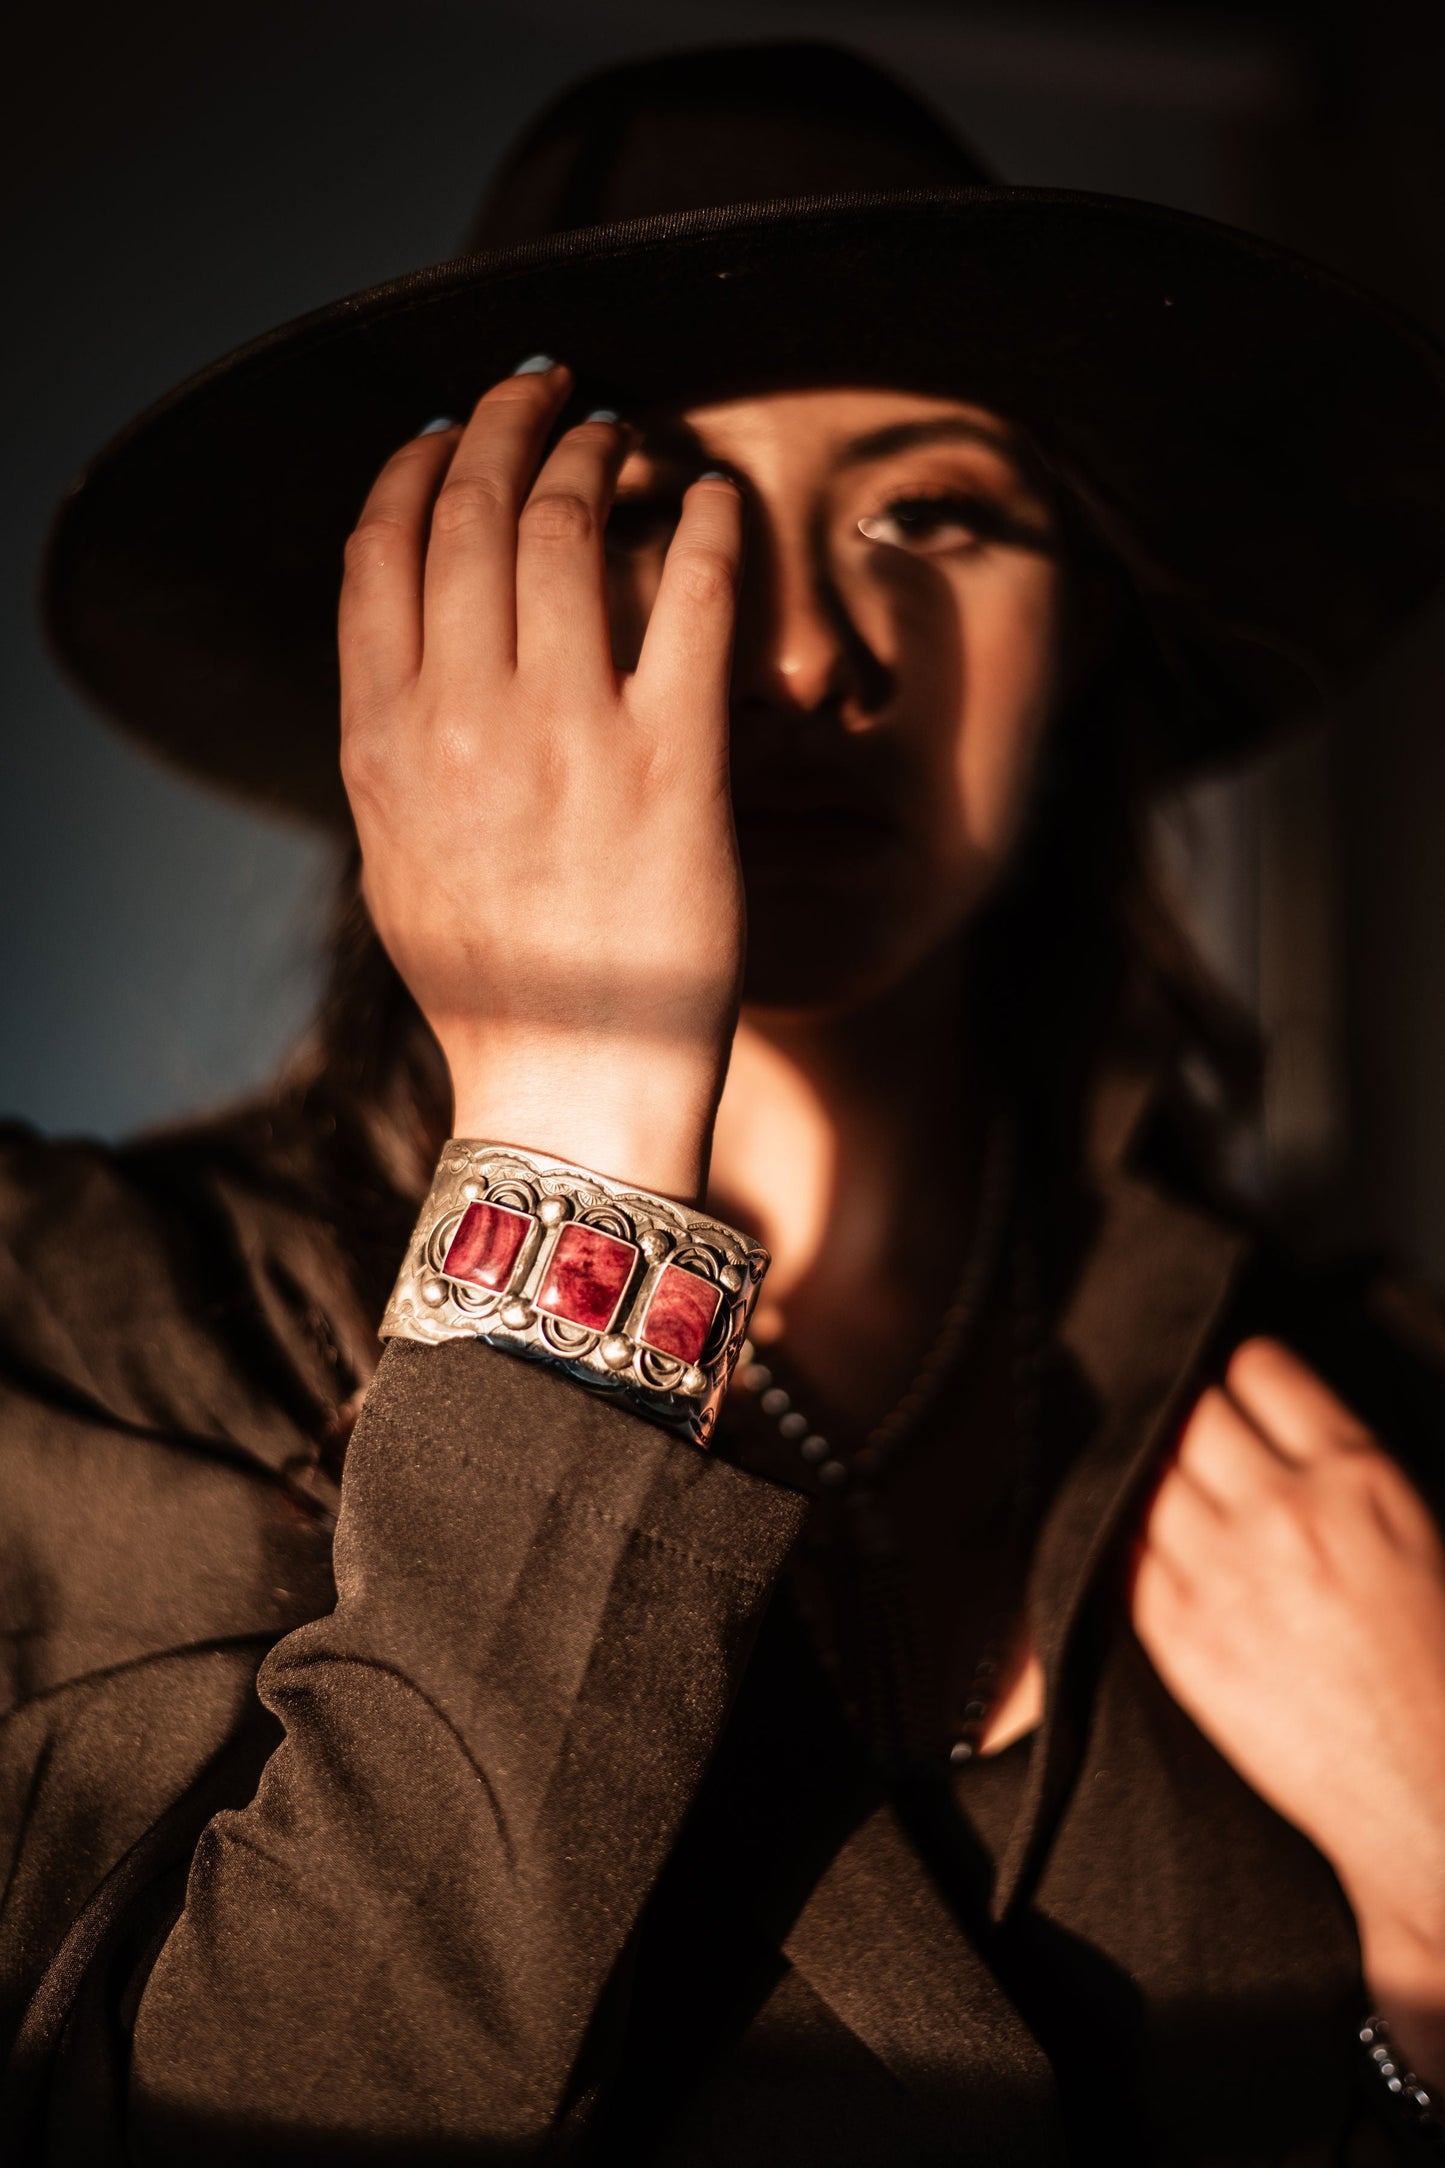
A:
x,y
820,947
814,952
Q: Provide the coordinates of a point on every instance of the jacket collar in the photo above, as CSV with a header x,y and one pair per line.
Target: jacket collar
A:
x,y
1136,1334
1134,1339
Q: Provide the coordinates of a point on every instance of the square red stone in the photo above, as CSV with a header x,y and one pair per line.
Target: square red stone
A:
x,y
486,1246
680,1314
586,1276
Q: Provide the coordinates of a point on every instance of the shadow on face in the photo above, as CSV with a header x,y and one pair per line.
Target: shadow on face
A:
x,y
897,664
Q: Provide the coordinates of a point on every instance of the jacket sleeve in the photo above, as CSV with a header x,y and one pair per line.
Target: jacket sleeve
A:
x,y
394,1946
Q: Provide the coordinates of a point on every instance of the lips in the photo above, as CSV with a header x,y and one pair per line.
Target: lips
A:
x,y
803,794
824,819
845,832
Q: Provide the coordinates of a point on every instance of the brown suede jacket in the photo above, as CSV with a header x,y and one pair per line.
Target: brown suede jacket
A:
x,y
520,1822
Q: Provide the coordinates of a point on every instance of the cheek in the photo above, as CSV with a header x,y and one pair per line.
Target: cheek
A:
x,y
1009,622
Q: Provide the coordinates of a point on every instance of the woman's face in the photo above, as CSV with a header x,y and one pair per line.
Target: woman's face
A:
x,y
896,665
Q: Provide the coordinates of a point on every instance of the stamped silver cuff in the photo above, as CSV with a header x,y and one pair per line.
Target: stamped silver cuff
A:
x,y
632,1294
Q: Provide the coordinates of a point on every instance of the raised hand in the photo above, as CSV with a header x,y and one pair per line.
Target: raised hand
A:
x,y
547,843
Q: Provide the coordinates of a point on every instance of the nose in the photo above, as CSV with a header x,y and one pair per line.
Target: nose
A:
x,y
796,648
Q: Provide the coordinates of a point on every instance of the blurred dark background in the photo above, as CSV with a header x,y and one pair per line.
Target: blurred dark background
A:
x,y
177,178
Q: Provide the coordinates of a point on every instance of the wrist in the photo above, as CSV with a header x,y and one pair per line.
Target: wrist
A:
x,y
1402,1951
641,1114
1399,1910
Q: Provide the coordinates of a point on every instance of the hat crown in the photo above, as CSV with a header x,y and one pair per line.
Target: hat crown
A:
x,y
732,124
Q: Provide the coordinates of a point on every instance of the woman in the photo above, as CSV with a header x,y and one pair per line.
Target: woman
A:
x,y
1021,1736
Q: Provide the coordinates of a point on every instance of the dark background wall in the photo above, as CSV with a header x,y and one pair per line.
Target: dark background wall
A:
x,y
177,178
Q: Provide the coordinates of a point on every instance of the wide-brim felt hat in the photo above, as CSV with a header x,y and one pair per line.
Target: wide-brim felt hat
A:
x,y
1262,443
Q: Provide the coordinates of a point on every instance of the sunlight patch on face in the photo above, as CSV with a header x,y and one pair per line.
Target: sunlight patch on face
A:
x,y
895,649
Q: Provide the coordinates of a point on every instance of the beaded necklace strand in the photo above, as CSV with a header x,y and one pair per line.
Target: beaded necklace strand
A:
x,y
892,1666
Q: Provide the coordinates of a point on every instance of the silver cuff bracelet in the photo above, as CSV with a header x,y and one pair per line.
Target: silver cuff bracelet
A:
x,y
632,1294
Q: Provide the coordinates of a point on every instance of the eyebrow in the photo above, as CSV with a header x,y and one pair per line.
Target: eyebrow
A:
x,y
674,440
903,436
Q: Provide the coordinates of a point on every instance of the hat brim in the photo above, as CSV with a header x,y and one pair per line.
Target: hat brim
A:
x,y
1269,436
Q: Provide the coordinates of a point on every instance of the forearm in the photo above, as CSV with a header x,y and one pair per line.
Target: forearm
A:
x,y
544,1606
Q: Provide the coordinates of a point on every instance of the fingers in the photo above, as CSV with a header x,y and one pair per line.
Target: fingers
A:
x,y
687,652
1181,1513
379,627
1225,1454
465,566
1271,1416
563,631
1156,1590
1222,1466
1289,1403
471,559
1247,1448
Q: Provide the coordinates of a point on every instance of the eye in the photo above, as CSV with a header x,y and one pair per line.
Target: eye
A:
x,y
932,525
642,519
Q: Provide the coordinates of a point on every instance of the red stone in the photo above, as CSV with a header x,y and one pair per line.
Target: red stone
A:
x,y
485,1247
680,1314
586,1275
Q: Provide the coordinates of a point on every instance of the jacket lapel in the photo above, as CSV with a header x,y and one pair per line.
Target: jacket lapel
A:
x,y
1134,1338
877,1943
877,1939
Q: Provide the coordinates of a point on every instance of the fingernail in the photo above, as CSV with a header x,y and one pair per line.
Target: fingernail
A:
x,y
534,365
714,474
435,428
602,414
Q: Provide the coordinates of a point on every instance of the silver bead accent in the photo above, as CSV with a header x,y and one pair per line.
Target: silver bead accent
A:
x,y
692,1381
552,1210
794,1425
732,1277
516,1316
434,1292
471,1191
616,1351
775,1401
654,1245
